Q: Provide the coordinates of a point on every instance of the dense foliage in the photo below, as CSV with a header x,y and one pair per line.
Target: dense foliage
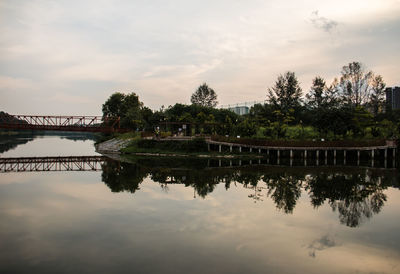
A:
x,y
351,107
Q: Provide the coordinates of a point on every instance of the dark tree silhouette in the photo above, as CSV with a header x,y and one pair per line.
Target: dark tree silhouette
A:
x,y
204,96
286,92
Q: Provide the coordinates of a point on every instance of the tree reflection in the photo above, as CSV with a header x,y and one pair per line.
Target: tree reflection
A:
x,y
284,189
122,176
356,194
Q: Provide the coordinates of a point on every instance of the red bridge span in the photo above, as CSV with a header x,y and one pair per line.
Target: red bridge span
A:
x,y
61,123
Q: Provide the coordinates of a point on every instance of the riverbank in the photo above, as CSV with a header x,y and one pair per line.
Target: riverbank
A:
x,y
112,146
214,148
170,148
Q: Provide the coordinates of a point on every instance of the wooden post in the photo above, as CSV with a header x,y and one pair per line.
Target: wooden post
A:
x,y
219,162
230,148
219,148
386,153
259,151
291,154
358,157
251,149
372,157
240,149
305,154
326,157
344,157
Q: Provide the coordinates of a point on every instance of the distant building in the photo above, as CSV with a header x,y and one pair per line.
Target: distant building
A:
x,y
393,97
242,110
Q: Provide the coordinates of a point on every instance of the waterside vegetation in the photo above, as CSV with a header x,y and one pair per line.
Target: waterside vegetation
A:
x,y
351,111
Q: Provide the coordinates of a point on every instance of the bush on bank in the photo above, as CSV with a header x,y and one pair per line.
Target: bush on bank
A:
x,y
145,145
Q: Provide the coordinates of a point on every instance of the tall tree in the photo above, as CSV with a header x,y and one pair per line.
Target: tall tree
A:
x,y
114,105
204,96
316,96
127,107
377,100
355,84
286,92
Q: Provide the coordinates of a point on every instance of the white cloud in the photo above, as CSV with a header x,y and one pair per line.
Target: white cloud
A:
x,y
165,49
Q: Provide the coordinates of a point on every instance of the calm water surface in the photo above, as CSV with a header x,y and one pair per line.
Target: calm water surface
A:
x,y
185,216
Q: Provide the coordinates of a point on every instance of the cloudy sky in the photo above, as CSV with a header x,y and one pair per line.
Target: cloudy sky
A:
x,y
68,57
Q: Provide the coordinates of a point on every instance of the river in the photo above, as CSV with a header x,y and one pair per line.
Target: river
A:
x,y
177,215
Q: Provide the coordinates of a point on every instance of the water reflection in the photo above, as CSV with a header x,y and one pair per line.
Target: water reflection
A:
x,y
10,140
355,194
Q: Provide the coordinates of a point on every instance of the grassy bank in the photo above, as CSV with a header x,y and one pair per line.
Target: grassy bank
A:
x,y
137,145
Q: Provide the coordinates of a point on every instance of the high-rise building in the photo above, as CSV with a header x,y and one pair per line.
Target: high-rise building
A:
x,y
393,97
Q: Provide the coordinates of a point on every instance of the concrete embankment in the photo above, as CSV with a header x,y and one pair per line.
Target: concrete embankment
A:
x,y
112,146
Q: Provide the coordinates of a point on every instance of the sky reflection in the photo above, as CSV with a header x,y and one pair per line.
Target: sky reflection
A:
x,y
71,222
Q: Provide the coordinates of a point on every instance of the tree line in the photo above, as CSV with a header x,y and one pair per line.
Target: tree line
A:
x,y
352,106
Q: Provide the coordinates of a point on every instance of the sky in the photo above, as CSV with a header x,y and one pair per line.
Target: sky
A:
x,y
67,57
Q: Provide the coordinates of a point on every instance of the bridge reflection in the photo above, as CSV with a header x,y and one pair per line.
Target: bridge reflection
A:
x,y
68,163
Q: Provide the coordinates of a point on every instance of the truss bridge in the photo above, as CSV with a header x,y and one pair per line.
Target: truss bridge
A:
x,y
61,123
